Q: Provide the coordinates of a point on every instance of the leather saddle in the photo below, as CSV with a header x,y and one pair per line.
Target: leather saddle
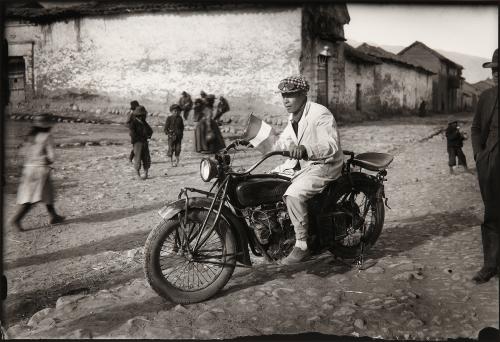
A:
x,y
373,161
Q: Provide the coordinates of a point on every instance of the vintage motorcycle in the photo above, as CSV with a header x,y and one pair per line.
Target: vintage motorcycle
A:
x,y
193,252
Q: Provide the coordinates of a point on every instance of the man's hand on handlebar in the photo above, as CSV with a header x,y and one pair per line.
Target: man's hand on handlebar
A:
x,y
297,152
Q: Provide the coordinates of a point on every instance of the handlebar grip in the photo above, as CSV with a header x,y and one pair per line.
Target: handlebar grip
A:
x,y
348,153
285,153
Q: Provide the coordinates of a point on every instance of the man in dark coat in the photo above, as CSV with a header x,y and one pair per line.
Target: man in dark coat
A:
x,y
174,129
484,136
186,104
222,107
455,141
140,132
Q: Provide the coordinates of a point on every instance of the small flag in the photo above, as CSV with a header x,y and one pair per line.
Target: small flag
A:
x,y
260,134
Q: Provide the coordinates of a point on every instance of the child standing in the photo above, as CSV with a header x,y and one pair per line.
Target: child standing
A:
x,y
455,138
174,129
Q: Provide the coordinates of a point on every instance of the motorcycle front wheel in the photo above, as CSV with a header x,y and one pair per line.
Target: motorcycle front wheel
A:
x,y
364,221
178,272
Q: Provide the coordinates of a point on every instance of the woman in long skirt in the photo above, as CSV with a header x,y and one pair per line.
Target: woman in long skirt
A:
x,y
36,185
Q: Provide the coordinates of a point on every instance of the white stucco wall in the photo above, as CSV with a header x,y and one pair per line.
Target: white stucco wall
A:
x,y
387,86
154,57
408,86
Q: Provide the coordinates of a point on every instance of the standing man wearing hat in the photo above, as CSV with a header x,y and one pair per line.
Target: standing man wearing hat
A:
x,y
174,129
484,136
36,185
186,104
140,132
311,133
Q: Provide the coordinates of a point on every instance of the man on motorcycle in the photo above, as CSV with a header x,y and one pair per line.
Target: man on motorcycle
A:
x,y
311,133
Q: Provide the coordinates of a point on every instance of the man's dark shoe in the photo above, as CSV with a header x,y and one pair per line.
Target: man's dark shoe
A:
x,y
57,219
484,275
297,255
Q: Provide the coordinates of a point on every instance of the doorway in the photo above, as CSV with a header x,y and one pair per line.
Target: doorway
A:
x,y
17,79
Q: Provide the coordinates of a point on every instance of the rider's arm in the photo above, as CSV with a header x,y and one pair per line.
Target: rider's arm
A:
x,y
283,141
326,141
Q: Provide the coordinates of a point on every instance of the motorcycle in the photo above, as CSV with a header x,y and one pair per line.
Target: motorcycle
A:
x,y
193,252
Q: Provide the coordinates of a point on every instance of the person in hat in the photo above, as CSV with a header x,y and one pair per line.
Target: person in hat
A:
x,y
199,104
186,104
454,143
174,129
484,137
311,133
222,107
35,185
207,135
140,132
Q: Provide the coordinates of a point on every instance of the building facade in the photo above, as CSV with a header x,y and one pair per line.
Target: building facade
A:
x,y
380,82
447,81
113,53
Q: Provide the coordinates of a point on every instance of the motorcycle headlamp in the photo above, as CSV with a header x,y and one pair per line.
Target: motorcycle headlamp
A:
x,y
208,169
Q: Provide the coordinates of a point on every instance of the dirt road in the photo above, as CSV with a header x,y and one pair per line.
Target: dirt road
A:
x,y
86,275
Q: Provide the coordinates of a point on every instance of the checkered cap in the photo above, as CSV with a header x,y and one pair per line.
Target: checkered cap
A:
x,y
293,84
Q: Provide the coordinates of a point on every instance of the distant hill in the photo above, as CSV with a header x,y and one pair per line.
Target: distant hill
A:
x,y
473,66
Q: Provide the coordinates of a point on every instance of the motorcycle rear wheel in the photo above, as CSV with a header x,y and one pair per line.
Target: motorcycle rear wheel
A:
x,y
350,246
183,278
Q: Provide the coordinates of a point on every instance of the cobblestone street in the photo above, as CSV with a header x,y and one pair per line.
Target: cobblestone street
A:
x,y
84,278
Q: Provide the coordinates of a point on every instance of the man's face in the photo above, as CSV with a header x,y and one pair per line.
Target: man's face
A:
x,y
294,101
494,71
176,112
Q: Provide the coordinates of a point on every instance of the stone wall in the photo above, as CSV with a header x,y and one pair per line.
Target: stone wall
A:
x,y
153,57
385,88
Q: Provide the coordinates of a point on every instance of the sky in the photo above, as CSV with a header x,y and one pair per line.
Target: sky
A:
x,y
472,30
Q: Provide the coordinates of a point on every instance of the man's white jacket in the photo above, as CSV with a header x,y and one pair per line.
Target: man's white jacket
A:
x,y
317,132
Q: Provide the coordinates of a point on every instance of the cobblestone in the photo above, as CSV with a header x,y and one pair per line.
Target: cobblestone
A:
x,y
432,229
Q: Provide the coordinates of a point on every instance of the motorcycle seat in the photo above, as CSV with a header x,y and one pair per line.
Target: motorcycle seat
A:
x,y
373,161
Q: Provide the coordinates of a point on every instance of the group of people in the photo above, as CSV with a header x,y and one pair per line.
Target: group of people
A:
x,y
208,137
186,104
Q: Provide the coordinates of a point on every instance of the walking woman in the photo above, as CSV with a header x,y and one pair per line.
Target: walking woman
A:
x,y
208,138
36,185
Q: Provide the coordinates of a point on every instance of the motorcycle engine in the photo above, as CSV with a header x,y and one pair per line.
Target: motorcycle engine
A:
x,y
273,229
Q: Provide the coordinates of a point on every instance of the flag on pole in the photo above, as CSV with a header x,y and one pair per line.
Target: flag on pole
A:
x,y
260,134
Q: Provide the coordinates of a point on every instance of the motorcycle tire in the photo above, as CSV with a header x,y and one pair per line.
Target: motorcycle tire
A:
x,y
366,187
222,241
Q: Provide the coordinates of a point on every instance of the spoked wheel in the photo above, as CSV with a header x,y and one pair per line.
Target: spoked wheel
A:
x,y
363,220
177,270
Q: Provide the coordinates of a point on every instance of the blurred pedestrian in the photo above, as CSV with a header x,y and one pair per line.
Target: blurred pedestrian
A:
x,y
133,105
222,107
484,136
140,132
35,185
208,138
174,129
186,104
455,141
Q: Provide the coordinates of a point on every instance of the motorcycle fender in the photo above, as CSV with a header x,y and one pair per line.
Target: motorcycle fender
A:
x,y
238,227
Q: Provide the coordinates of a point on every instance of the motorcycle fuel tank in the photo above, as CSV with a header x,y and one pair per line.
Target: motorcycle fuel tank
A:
x,y
257,191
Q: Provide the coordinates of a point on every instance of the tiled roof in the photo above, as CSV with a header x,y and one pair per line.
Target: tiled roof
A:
x,y
359,56
389,57
107,7
434,52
